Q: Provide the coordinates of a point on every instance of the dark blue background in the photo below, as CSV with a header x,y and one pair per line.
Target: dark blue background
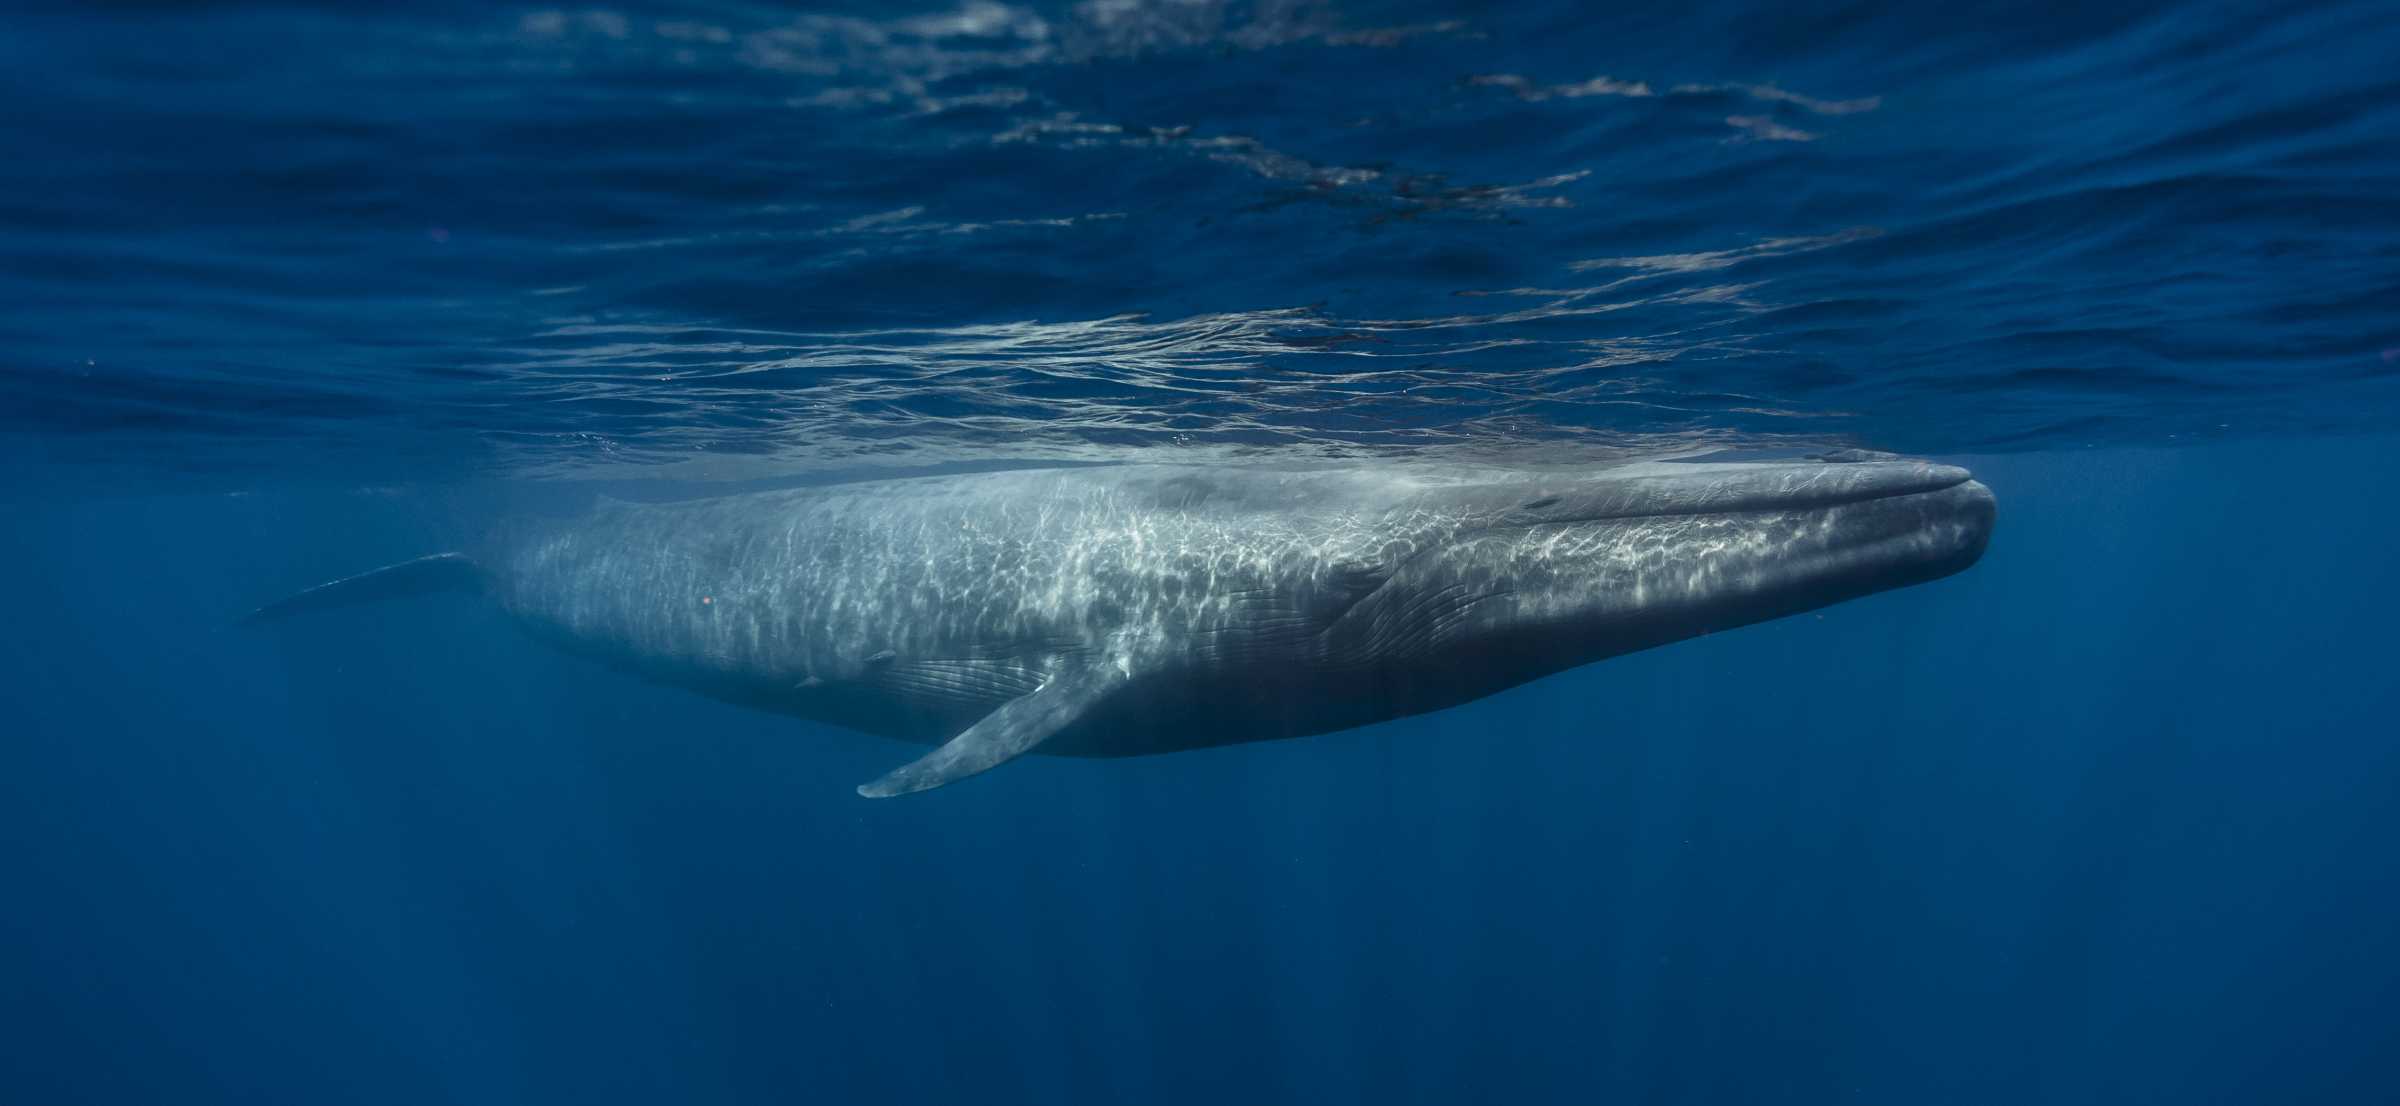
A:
x,y
2107,818
288,291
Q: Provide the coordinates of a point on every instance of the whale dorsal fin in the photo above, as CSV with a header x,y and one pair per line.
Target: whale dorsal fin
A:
x,y
1003,735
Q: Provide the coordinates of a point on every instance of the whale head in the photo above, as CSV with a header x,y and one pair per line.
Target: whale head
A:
x,y
1567,570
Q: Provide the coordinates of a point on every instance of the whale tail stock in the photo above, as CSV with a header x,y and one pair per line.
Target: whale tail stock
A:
x,y
424,576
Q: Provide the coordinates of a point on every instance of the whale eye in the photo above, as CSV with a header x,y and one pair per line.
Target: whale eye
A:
x,y
1539,504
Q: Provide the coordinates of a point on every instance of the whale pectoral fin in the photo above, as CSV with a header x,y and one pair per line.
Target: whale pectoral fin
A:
x,y
1003,735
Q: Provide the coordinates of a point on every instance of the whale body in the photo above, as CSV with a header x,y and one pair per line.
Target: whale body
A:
x,y
1123,610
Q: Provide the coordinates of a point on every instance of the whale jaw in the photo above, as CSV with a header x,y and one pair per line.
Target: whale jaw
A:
x,y
1707,551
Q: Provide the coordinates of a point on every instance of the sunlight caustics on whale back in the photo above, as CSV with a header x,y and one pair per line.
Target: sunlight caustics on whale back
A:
x,y
1124,610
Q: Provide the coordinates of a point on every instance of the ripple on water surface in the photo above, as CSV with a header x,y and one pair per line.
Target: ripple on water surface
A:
x,y
573,241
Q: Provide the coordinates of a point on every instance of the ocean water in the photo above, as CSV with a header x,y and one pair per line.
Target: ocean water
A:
x,y
290,291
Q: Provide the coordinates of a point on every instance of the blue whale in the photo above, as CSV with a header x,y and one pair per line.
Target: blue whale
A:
x,y
1125,610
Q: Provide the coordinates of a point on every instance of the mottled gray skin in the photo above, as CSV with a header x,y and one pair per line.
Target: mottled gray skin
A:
x,y
1164,608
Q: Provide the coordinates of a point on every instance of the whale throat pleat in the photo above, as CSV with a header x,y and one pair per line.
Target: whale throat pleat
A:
x,y
966,683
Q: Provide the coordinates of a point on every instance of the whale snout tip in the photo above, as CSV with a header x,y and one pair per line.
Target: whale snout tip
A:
x,y
1974,509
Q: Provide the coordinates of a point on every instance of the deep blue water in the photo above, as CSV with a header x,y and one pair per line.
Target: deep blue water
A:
x,y
287,292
